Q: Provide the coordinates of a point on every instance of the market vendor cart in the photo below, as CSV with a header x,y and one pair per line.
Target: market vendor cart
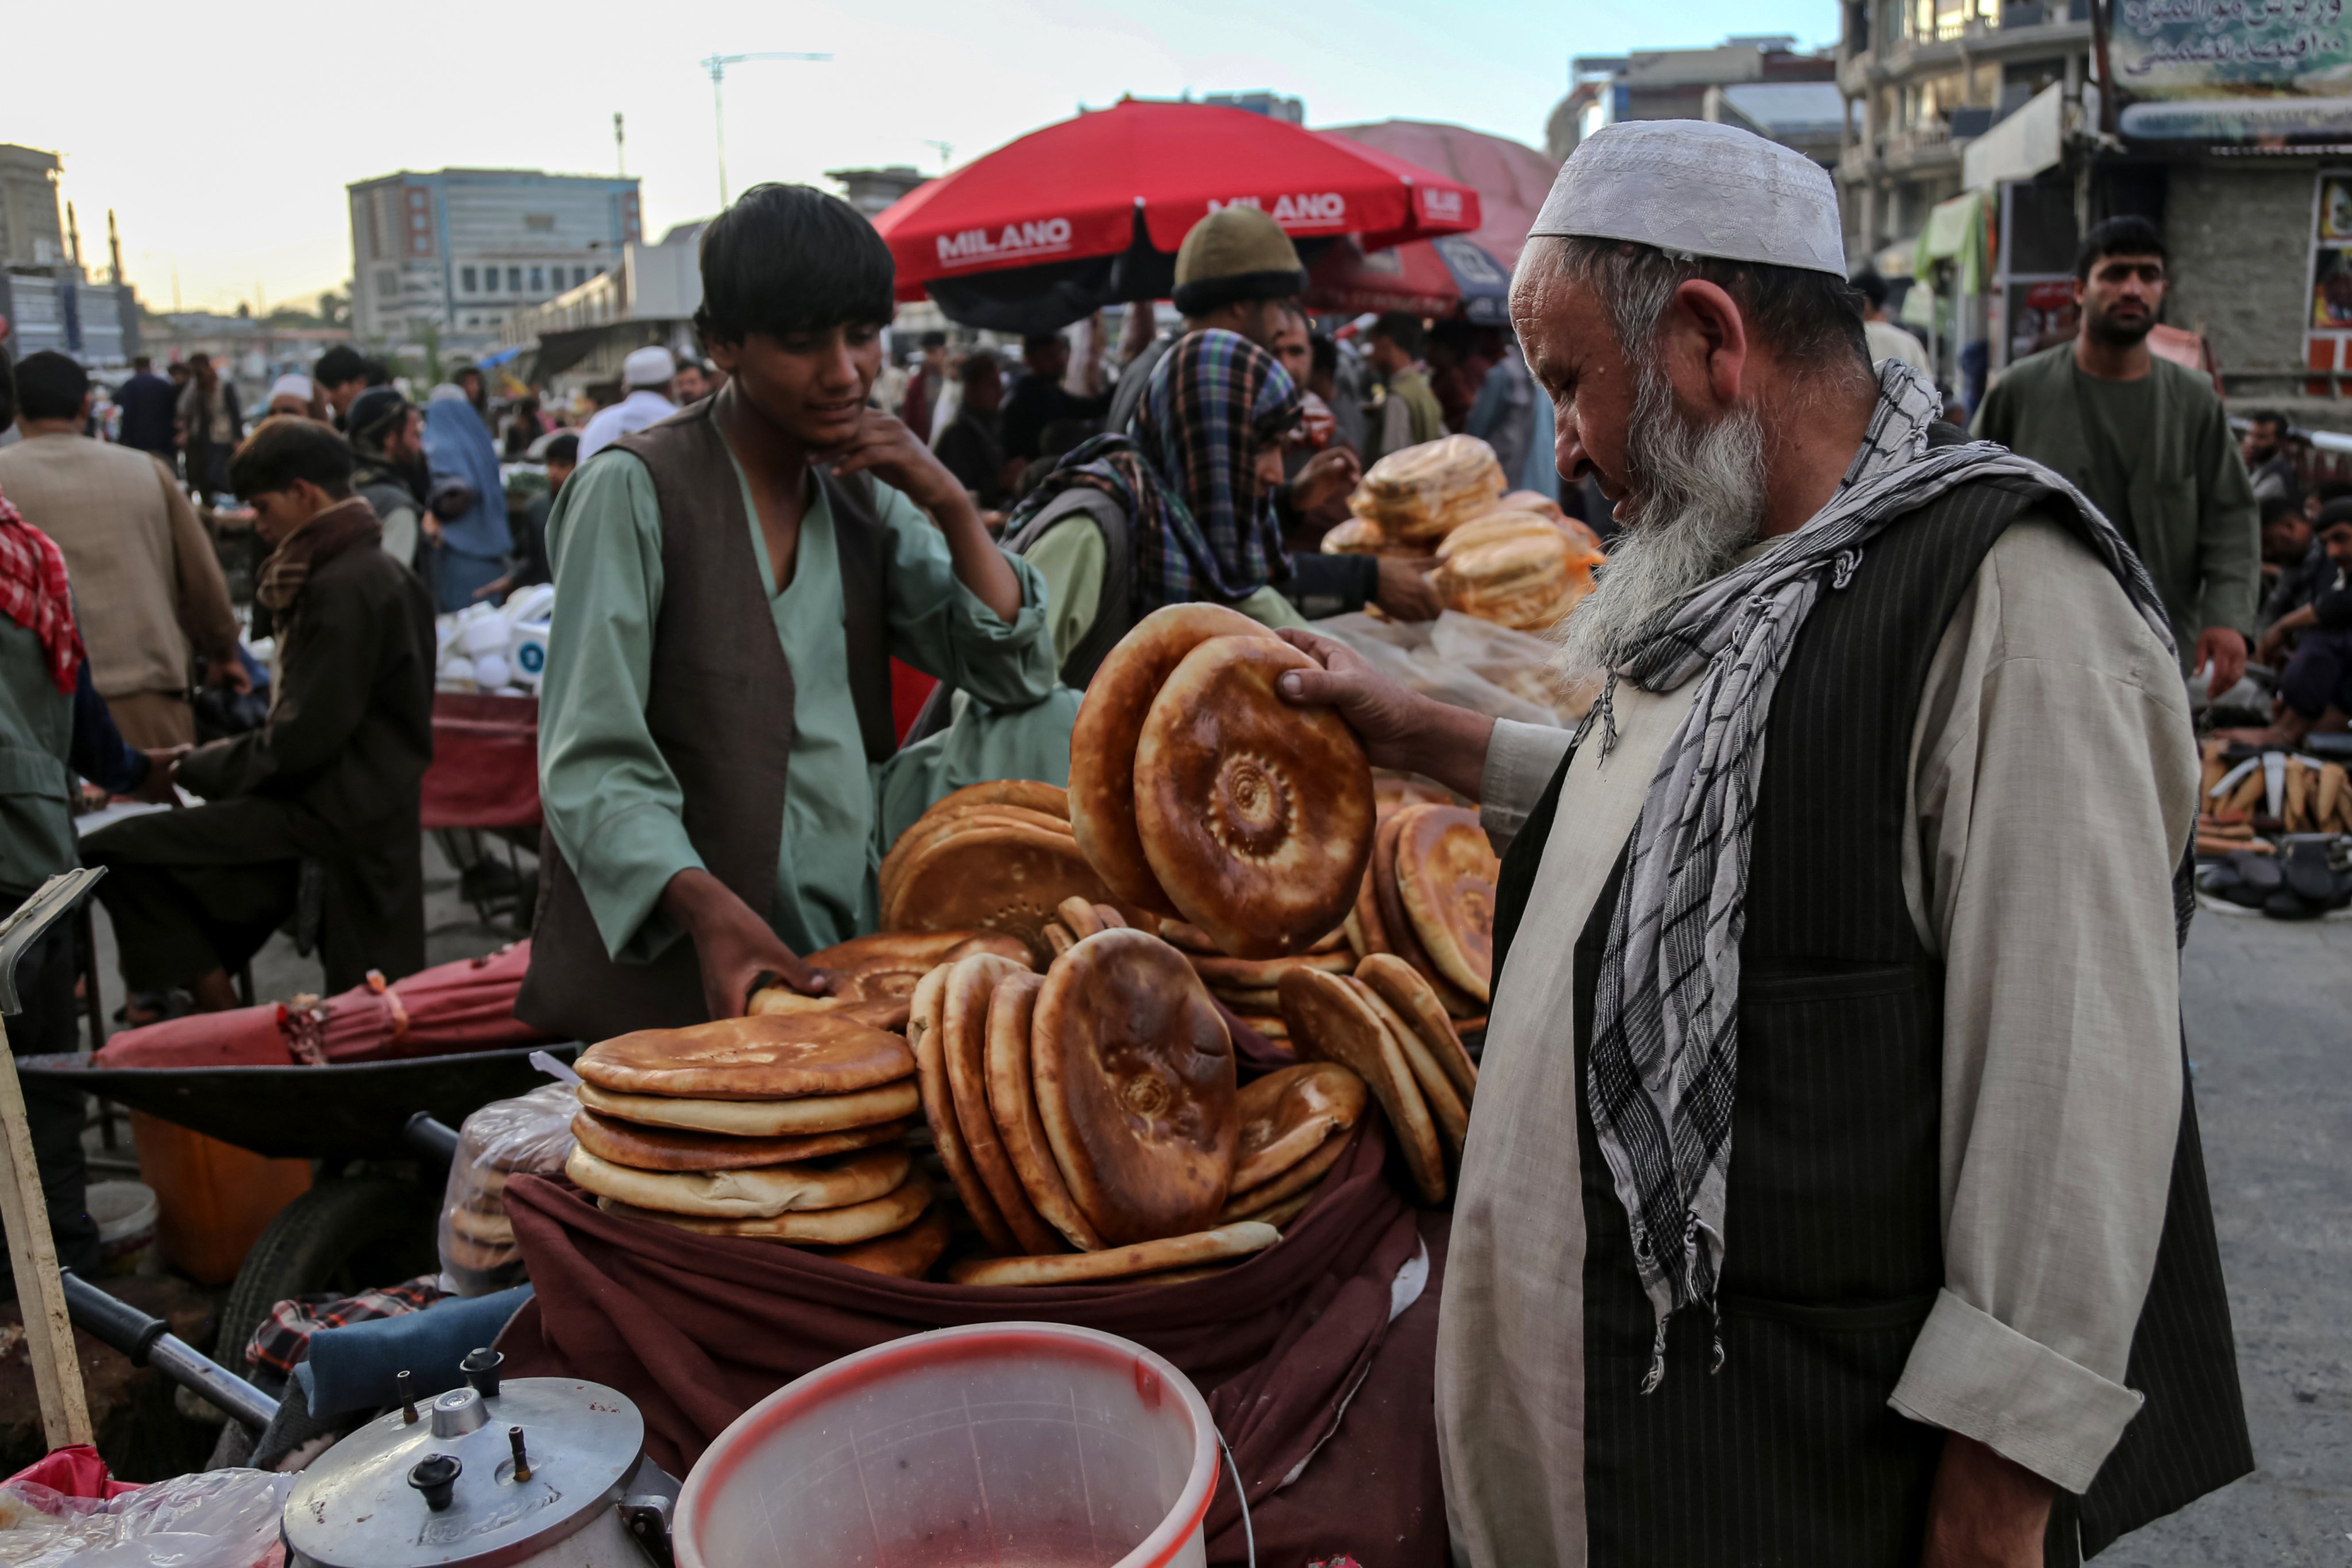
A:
x,y
483,786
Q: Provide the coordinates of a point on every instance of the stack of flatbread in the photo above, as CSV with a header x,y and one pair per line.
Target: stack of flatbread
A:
x,y
1086,1118
1385,1024
1428,898
1247,984
995,857
1297,1123
1421,494
786,1127
1520,569
1197,793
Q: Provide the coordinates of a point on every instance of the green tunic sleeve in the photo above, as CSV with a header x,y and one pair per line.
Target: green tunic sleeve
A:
x,y
611,801
941,627
1070,557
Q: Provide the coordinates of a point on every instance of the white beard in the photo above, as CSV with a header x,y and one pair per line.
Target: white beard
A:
x,y
1699,500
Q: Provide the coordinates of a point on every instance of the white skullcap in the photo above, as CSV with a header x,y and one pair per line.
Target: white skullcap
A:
x,y
647,367
1701,189
290,386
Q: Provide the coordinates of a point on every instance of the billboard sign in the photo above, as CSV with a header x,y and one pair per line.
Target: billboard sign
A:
x,y
2231,49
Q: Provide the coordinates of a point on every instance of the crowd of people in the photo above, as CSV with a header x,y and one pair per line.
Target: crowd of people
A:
x,y
1828,616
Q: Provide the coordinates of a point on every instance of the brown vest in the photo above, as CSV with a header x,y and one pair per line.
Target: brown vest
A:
x,y
720,706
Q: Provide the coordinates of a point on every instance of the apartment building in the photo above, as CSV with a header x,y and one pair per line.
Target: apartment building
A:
x,y
457,252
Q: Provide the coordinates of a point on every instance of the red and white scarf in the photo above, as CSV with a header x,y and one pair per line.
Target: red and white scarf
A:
x,y
35,594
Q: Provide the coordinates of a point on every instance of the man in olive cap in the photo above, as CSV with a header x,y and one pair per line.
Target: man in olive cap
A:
x,y
1235,269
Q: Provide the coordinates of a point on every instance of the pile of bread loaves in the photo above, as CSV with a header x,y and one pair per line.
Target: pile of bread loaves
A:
x,y
1514,560
2312,797
1089,1118
787,1127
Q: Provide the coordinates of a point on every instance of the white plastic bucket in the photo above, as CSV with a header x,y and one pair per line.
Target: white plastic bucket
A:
x,y
125,1213
1019,1444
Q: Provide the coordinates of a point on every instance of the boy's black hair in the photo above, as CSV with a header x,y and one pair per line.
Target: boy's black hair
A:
x,y
564,448
1871,288
2125,236
1404,328
338,364
976,364
2335,514
1325,352
51,385
786,259
286,449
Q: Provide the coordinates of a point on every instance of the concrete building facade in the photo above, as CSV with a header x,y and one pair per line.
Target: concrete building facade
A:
x,y
454,254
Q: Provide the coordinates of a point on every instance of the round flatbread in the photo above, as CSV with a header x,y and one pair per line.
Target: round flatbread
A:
x,y
1330,1021
1134,1075
964,1020
891,964
1445,873
1012,1106
893,1211
1079,916
1109,728
907,1254
1186,935
1119,1262
1247,999
1110,917
1256,815
482,1229
1446,1107
1030,794
1402,987
888,1013
653,1149
762,1194
1396,926
1290,1113
999,876
1282,1213
1307,1174
1270,1026
938,824
925,1035
759,1118
1265,973
790,1056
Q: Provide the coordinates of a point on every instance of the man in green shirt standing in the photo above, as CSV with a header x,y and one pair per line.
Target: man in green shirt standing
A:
x,y
2148,441
1409,413
730,585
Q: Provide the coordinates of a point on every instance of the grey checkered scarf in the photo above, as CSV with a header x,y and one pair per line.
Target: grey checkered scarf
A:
x,y
1665,1058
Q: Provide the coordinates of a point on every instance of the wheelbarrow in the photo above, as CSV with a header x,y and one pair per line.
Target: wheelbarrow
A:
x,y
368,1219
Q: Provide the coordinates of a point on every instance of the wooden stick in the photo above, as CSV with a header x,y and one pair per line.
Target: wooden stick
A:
x,y
33,1257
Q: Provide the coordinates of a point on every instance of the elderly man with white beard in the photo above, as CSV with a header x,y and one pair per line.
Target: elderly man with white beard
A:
x,y
1832,1197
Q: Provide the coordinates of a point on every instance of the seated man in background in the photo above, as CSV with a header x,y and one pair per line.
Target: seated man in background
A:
x,y
314,815
2315,686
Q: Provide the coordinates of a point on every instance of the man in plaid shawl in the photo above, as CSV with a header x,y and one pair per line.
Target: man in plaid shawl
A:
x,y
1833,1195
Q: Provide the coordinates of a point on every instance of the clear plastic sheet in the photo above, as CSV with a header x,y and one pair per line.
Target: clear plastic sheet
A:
x,y
531,1132
215,1519
1468,662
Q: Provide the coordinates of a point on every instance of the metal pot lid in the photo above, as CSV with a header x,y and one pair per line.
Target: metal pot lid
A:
x,y
444,1489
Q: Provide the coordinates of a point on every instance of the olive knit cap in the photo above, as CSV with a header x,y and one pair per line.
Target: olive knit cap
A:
x,y
1233,254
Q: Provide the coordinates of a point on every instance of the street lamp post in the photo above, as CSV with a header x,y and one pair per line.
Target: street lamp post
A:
x,y
716,66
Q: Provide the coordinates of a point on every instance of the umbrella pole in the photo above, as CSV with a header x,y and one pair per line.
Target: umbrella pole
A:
x,y
33,1257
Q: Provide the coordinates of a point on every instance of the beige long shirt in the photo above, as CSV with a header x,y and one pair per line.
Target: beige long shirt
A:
x,y
147,586
2054,789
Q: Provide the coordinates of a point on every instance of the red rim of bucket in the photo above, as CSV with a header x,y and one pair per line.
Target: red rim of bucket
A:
x,y
829,1382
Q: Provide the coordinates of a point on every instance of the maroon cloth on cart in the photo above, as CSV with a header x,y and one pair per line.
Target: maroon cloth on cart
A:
x,y
485,768
1294,1348
448,1009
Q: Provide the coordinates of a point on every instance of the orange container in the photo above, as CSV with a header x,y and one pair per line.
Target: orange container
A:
x,y
212,1199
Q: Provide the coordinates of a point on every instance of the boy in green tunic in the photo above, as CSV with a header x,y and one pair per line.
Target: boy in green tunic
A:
x,y
730,585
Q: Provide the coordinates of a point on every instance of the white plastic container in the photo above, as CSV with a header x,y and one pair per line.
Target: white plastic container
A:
x,y
1011,1444
125,1213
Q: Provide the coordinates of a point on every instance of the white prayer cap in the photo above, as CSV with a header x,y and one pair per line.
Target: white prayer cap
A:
x,y
1701,189
648,367
296,386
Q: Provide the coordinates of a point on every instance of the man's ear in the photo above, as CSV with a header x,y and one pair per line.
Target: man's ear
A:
x,y
1715,348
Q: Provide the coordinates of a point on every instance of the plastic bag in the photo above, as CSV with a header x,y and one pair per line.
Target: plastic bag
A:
x,y
531,1132
1468,662
215,1519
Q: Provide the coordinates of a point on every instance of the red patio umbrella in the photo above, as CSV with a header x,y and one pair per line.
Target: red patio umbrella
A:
x,y
1138,176
1450,276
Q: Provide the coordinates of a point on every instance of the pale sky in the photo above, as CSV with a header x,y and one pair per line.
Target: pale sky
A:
x,y
223,137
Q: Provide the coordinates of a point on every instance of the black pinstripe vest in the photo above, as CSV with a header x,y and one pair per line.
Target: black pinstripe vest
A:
x,y
1790,1454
